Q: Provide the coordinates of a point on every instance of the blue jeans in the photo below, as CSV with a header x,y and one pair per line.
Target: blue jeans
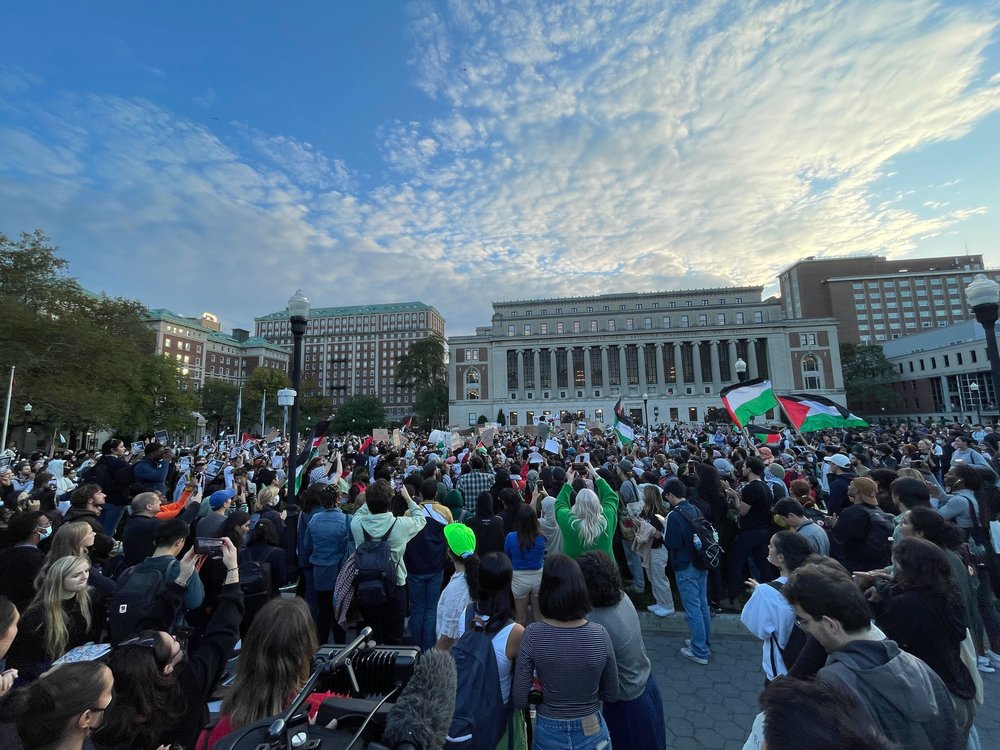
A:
x,y
634,565
425,588
748,546
692,584
569,734
110,516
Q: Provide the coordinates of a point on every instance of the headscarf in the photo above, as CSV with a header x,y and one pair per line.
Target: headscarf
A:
x,y
453,501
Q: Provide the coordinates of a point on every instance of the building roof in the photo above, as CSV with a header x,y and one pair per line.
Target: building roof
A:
x,y
216,336
632,295
161,313
333,312
934,338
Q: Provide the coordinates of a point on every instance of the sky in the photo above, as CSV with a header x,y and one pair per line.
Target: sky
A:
x,y
217,156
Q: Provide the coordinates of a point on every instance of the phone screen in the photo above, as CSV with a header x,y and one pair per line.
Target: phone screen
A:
x,y
208,547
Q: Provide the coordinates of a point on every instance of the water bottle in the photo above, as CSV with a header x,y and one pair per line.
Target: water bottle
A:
x,y
697,542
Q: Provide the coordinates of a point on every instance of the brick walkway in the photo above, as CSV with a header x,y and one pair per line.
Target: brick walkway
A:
x,y
713,707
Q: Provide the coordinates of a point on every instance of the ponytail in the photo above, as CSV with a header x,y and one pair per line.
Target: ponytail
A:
x,y
472,574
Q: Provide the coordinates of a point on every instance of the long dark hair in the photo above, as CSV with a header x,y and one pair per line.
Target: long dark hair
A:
x,y
147,701
493,598
237,518
922,566
527,528
935,529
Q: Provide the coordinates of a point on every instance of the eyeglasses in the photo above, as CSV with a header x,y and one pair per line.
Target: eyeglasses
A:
x,y
147,642
802,622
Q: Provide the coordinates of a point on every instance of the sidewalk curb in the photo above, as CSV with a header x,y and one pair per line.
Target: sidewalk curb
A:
x,y
722,624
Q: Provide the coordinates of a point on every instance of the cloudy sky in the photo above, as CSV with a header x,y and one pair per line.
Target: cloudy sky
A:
x,y
215,156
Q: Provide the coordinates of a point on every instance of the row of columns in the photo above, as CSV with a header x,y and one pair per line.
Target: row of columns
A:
x,y
643,383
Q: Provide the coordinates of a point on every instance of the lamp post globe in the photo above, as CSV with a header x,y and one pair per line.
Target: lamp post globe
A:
x,y
741,369
983,296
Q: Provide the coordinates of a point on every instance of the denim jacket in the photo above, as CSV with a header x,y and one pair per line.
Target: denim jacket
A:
x,y
327,544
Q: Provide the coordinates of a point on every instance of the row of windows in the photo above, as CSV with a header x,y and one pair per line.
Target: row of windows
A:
x,y
623,308
357,321
952,281
181,345
922,363
647,324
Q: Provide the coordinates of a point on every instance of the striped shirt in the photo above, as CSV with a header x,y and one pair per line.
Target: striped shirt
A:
x,y
571,688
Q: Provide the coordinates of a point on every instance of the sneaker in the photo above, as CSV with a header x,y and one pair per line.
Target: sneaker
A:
x,y
656,609
687,644
985,668
688,653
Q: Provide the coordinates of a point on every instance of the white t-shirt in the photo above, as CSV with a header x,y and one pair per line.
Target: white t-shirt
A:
x,y
451,606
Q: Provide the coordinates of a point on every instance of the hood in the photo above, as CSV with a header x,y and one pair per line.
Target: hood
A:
x,y
56,468
893,676
375,524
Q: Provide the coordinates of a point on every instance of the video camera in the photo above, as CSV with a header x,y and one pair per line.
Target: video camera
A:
x,y
373,677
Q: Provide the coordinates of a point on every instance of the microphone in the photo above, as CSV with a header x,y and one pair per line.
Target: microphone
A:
x,y
422,715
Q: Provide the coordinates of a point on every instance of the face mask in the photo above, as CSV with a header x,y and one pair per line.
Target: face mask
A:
x,y
45,533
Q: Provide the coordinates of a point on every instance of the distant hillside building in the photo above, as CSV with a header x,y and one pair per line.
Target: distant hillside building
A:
x,y
875,299
350,351
198,347
576,356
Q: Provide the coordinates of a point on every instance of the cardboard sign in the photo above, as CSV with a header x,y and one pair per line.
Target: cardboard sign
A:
x,y
397,438
213,467
487,436
552,446
162,437
457,441
380,435
530,430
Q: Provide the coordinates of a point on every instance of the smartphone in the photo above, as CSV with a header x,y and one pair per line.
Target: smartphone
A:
x,y
208,547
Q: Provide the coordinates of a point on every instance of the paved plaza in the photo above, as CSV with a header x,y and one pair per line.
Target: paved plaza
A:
x,y
713,707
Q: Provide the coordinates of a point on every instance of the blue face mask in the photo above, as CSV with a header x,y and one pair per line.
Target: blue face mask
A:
x,y
44,533
663,472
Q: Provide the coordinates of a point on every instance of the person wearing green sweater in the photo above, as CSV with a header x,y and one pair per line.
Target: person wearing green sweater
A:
x,y
590,523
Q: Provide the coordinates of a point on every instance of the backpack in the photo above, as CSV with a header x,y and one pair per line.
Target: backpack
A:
x,y
376,579
135,594
707,552
124,477
796,640
480,717
878,539
255,581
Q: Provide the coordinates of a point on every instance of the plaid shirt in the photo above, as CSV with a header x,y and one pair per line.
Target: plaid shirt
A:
x,y
471,486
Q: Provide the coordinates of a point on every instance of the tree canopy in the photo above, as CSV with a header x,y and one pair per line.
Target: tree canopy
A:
x,y
82,360
423,368
868,377
359,415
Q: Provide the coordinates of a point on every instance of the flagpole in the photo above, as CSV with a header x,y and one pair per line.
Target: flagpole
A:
x,y
263,401
791,424
239,411
6,413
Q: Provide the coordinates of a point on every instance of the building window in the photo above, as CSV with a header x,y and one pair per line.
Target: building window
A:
x,y
685,321
510,330
512,419
629,324
758,317
612,325
576,326
666,321
543,328
621,307
807,339
720,319
647,323
740,318
593,326
811,375
702,319
527,329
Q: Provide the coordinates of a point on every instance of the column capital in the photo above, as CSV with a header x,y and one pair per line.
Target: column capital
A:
x,y
714,342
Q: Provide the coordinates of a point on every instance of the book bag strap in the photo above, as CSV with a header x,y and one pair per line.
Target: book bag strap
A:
x,y
369,537
972,512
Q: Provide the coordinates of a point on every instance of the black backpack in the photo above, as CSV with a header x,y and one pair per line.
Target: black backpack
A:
x,y
707,552
480,717
135,593
376,580
796,641
878,540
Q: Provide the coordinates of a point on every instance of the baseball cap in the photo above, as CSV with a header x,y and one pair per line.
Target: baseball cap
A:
x,y
461,539
218,498
838,459
625,465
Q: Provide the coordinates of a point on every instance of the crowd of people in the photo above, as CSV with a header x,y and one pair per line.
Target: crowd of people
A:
x,y
862,560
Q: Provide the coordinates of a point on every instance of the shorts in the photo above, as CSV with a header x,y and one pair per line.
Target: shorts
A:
x,y
525,583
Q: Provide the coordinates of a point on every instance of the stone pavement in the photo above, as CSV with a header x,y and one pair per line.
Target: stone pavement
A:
x,y
713,707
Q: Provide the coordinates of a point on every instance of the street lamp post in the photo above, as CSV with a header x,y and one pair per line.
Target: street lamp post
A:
x,y
983,296
741,369
298,311
645,412
974,387
27,428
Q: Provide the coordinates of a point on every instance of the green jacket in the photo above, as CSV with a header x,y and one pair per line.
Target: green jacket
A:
x,y
572,545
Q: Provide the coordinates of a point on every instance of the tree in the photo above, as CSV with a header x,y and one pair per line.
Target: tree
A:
x,y
423,369
868,377
261,380
158,402
359,415
718,415
313,406
501,418
218,402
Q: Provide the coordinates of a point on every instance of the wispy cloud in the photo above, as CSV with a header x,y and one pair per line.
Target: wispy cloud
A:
x,y
574,148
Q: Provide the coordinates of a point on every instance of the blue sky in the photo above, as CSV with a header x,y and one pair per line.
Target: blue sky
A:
x,y
215,156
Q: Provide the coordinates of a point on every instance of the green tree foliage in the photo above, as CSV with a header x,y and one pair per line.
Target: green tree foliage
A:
x,y
313,407
423,368
218,403
158,403
868,377
259,381
359,415
83,360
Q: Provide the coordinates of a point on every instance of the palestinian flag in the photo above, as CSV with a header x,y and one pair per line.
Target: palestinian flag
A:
x,y
809,413
766,435
318,434
623,427
408,422
751,398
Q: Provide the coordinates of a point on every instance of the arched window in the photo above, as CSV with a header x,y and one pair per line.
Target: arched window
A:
x,y
472,384
812,375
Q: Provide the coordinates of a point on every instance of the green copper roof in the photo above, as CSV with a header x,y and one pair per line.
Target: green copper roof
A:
x,y
333,312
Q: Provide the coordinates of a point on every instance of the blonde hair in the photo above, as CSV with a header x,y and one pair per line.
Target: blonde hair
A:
x,y
911,473
652,500
588,521
264,498
66,542
50,599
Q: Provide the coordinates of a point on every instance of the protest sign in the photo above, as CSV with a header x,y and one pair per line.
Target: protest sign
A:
x,y
487,436
184,463
552,446
397,438
380,435
162,437
137,448
213,467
